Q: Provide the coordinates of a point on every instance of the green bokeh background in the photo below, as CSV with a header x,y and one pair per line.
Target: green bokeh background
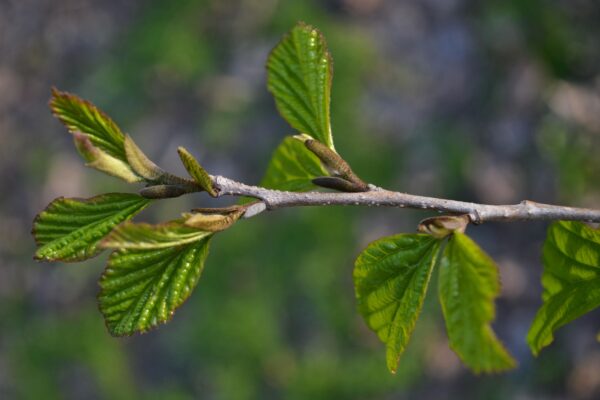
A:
x,y
493,101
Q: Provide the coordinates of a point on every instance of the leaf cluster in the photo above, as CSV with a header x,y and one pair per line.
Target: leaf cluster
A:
x,y
153,269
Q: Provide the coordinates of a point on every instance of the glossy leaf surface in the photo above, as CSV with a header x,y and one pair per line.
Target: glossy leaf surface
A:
x,y
300,71
71,229
571,279
468,285
391,277
152,272
80,115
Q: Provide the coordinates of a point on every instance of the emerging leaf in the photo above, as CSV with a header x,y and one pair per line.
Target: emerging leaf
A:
x,y
79,115
300,71
391,277
102,161
193,167
140,163
154,270
468,285
571,279
443,226
215,221
292,167
70,229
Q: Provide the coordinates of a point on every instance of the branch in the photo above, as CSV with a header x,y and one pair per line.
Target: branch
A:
x,y
377,197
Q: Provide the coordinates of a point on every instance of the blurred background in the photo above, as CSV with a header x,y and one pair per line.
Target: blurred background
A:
x,y
492,101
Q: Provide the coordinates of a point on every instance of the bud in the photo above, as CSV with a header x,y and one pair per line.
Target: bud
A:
x,y
440,227
163,191
335,164
336,183
193,167
214,220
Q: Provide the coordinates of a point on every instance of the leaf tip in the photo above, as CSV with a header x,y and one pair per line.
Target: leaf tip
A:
x,y
393,369
54,92
182,151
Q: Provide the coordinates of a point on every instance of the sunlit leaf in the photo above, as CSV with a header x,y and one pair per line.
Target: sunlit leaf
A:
x,y
468,285
70,229
292,167
571,279
391,277
80,115
153,271
300,71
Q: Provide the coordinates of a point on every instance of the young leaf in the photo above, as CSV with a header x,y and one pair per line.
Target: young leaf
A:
x,y
292,167
79,115
70,229
140,163
214,222
444,225
571,279
300,70
154,270
102,161
468,285
193,167
391,277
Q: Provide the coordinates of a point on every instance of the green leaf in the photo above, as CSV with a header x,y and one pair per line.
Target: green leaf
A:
x,y
193,167
571,279
142,236
70,229
140,163
100,160
468,285
292,167
391,277
80,115
154,271
300,70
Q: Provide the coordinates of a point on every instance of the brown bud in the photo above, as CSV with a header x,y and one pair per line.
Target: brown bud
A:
x,y
163,191
336,183
336,165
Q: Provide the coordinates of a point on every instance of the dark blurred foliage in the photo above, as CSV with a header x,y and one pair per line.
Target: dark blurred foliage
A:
x,y
493,101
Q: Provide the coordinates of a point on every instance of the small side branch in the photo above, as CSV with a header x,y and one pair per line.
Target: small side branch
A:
x,y
377,197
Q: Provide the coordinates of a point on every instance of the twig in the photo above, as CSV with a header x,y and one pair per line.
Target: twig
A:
x,y
377,197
